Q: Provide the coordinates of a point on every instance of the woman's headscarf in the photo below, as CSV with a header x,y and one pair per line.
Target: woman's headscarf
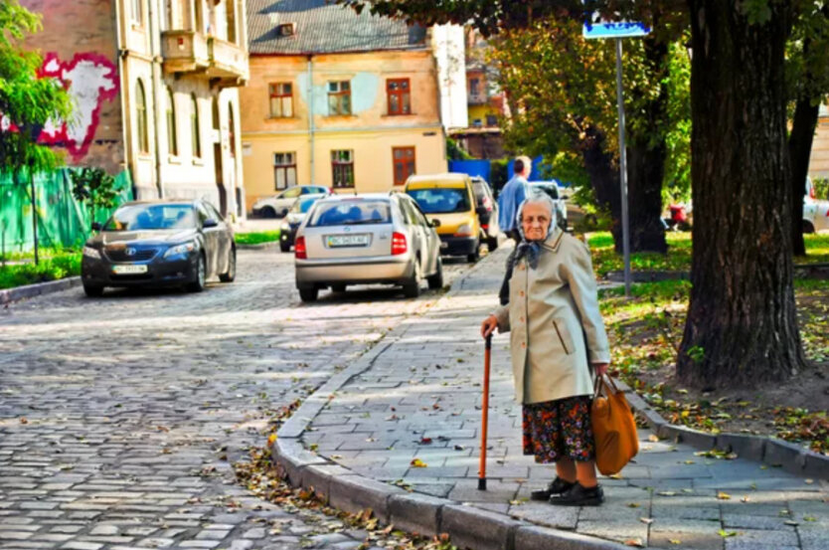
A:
x,y
532,248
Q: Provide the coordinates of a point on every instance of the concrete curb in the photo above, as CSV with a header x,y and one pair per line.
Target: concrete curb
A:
x,y
414,512
774,452
655,276
261,246
30,291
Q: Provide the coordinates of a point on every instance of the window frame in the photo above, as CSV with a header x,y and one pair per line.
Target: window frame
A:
x,y
195,128
137,12
285,168
275,93
404,96
403,162
142,118
341,96
172,130
340,167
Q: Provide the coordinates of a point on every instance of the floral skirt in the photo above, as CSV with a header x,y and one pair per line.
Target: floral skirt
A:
x,y
560,428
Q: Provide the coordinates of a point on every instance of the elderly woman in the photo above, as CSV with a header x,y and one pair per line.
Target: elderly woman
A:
x,y
557,335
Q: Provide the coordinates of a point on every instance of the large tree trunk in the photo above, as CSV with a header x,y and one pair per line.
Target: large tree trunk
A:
x,y
800,150
603,174
741,327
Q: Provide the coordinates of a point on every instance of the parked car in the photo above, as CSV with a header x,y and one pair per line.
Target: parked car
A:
x,y
488,216
552,189
278,205
815,211
288,229
363,239
449,199
159,243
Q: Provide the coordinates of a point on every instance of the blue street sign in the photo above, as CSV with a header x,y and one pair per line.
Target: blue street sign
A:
x,y
618,29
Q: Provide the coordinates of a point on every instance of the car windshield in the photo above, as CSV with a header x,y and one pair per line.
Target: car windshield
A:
x,y
441,200
549,188
141,217
351,213
304,204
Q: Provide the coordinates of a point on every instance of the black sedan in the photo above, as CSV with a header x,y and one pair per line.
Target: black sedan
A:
x,y
159,243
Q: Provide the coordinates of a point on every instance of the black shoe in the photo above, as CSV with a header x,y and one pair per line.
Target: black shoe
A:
x,y
555,487
579,496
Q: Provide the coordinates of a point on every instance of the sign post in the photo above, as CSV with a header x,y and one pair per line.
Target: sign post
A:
x,y
598,29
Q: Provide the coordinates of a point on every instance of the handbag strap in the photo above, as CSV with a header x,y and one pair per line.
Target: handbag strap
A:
x,y
603,381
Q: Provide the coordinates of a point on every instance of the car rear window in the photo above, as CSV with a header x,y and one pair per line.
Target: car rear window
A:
x,y
351,213
441,200
142,217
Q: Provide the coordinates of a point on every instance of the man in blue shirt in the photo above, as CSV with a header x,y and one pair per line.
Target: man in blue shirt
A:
x,y
511,197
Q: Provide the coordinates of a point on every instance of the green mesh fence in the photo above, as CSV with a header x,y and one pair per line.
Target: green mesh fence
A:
x,y
62,220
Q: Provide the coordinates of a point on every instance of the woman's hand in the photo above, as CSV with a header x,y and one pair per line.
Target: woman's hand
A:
x,y
488,326
601,368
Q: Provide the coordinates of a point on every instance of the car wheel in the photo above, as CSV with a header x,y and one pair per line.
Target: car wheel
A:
x,y
230,275
200,276
93,291
338,288
284,246
411,289
308,294
268,212
436,280
284,213
808,227
475,255
492,243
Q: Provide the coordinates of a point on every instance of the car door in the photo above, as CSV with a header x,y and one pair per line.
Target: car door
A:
x,y
430,250
223,238
211,239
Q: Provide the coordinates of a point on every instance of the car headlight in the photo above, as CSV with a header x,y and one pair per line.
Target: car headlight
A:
x,y
180,249
464,231
90,252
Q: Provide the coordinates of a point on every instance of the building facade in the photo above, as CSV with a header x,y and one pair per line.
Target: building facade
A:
x,y
819,161
337,99
155,85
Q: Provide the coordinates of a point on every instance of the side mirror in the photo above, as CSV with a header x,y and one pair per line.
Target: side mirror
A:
x,y
435,223
96,226
210,222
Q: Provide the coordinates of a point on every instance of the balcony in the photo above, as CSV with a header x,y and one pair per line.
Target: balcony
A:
x,y
477,99
228,63
184,51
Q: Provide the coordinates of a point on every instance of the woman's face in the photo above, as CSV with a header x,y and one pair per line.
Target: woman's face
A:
x,y
535,219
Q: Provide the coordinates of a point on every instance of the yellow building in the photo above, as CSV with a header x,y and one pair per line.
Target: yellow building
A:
x,y
819,161
337,99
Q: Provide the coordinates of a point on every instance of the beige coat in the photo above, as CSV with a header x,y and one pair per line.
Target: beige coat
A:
x,y
555,324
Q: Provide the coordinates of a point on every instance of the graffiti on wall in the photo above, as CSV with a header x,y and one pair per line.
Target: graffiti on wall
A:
x,y
91,79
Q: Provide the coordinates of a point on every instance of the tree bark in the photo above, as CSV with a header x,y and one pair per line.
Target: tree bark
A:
x,y
741,327
800,150
603,174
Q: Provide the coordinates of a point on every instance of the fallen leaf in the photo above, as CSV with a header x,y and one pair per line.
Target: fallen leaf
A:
x,y
725,534
635,542
654,438
675,541
417,463
647,521
271,440
633,505
723,496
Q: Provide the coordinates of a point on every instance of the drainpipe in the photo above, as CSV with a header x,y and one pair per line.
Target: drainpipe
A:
x,y
311,113
155,47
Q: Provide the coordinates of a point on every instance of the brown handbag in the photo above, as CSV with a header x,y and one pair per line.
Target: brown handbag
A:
x,y
614,427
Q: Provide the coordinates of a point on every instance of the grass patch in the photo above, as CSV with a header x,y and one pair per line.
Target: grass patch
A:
x,y
678,257
49,269
257,237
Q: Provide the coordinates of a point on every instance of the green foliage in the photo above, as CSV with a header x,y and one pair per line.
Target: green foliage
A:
x,y
677,186
821,186
95,188
26,101
49,269
807,54
498,171
258,237
455,151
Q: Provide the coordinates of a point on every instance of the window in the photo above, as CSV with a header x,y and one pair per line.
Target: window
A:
x,y
172,141
137,14
287,29
397,92
441,200
403,159
342,166
491,120
282,100
284,170
474,86
141,118
195,138
231,131
339,98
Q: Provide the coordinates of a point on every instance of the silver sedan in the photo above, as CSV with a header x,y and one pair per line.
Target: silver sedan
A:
x,y
363,239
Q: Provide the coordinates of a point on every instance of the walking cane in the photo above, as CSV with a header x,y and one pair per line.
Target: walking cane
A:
x,y
484,415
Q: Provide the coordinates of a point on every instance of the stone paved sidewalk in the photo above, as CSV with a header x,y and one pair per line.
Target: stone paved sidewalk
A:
x,y
421,400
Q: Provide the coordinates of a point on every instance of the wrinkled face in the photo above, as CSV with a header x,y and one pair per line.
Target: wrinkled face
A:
x,y
535,220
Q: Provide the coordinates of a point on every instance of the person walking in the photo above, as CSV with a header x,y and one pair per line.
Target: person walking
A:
x,y
557,338
511,196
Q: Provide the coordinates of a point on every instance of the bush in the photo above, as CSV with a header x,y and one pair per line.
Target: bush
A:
x,y
50,269
258,237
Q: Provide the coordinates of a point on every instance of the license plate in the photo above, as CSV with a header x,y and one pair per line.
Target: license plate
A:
x,y
129,269
336,241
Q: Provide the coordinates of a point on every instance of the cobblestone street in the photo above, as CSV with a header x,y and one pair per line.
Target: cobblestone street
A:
x,y
120,416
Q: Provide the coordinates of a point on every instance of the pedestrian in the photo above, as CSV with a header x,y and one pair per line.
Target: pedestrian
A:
x,y
511,196
557,339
